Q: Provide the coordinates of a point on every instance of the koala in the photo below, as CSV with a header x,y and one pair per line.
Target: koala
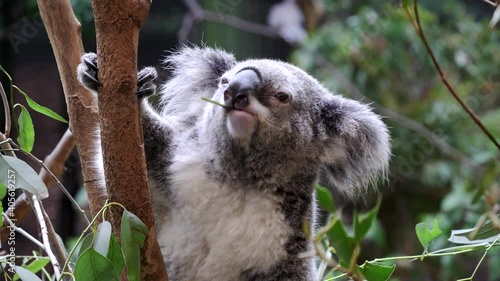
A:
x,y
232,183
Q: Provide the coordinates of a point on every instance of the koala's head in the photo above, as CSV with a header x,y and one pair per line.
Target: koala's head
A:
x,y
279,122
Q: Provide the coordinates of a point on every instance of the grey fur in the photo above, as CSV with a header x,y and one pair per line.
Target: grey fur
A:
x,y
231,209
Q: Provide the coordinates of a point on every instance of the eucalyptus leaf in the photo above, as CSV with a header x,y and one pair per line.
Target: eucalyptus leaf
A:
x,y
41,109
133,234
26,136
425,235
341,241
20,175
26,275
378,272
325,199
92,266
115,255
34,266
487,233
102,238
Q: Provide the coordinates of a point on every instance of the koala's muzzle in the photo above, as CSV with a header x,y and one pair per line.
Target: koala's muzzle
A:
x,y
242,85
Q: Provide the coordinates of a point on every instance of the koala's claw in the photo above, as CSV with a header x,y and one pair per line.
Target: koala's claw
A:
x,y
145,79
87,72
88,76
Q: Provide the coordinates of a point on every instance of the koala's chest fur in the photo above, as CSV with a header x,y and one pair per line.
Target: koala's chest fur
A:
x,y
214,231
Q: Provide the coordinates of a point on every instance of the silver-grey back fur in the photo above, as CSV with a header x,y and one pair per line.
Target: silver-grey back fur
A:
x,y
228,209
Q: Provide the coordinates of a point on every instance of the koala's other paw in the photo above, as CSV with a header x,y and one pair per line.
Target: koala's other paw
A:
x,y
87,72
145,82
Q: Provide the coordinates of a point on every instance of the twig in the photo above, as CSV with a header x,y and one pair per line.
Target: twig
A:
x,y
491,3
45,236
197,13
6,108
23,232
421,34
59,184
55,243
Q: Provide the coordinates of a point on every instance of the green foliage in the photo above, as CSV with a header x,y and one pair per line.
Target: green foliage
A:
x,y
101,257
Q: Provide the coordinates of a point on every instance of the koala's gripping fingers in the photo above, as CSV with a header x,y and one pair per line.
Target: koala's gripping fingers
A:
x,y
87,72
145,82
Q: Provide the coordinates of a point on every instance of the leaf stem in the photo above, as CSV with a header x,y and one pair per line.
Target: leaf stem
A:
x,y
216,103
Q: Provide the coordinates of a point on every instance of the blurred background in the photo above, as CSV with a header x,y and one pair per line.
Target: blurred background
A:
x,y
443,166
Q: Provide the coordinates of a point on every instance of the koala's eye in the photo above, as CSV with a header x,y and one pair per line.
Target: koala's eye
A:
x,y
224,81
282,97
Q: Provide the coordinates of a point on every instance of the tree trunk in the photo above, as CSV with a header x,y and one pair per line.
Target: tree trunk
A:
x,y
64,33
117,26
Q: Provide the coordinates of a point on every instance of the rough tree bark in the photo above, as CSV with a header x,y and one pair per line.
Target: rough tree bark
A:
x,y
65,36
117,27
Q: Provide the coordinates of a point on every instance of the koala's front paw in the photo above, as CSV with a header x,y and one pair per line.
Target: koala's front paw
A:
x,y
87,72
145,82
87,75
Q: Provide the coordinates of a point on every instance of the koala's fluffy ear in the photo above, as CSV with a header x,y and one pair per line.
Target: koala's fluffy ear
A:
x,y
356,144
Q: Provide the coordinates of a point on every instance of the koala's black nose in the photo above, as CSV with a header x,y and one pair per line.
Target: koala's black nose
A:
x,y
242,85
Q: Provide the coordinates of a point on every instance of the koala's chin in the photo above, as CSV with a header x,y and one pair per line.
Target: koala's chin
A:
x,y
241,125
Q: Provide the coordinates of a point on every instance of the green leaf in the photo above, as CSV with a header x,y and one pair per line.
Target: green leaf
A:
x,y
378,272
26,136
26,275
34,266
3,191
406,3
133,234
115,255
341,241
21,175
92,266
102,238
86,243
425,235
41,109
363,222
325,199
486,233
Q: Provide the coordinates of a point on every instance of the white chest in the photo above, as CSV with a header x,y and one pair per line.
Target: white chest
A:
x,y
215,232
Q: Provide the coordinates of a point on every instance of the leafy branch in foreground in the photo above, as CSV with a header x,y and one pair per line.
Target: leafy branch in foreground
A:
x,y
339,249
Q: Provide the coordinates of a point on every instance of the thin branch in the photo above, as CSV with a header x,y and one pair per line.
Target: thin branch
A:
x,y
45,236
22,232
56,180
197,14
469,111
491,3
6,108
55,243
